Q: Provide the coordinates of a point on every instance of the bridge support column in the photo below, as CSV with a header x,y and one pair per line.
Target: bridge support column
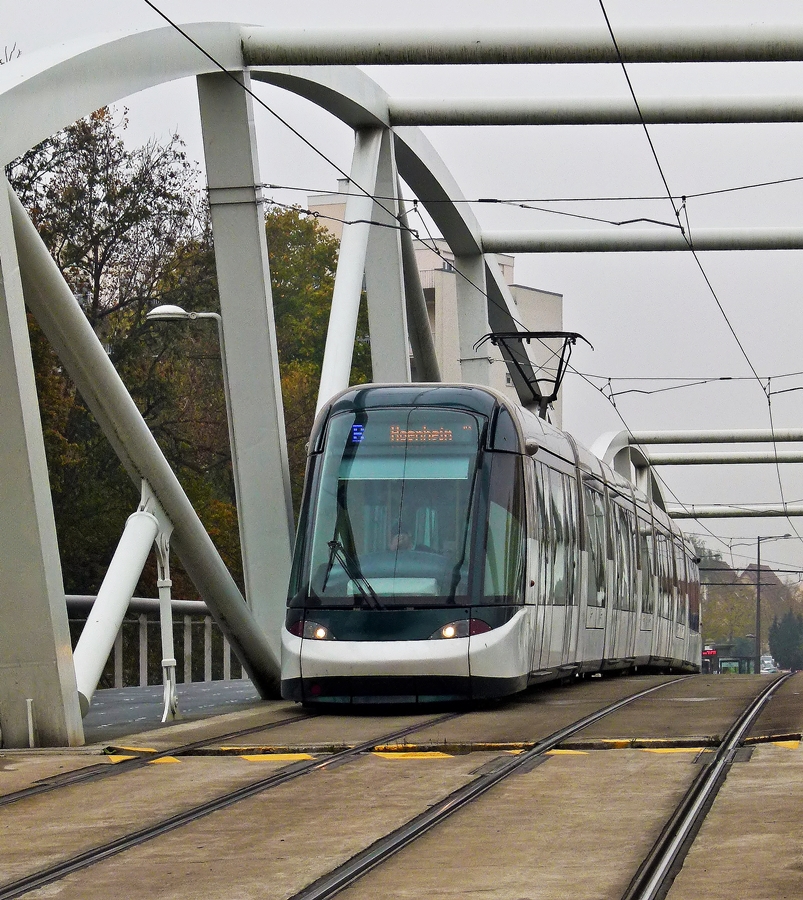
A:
x,y
259,448
35,652
339,348
384,276
472,317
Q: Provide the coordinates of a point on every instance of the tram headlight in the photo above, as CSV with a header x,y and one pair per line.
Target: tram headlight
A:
x,y
312,630
460,629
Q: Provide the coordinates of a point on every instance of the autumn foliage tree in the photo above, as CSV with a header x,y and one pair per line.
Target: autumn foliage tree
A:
x,y
129,230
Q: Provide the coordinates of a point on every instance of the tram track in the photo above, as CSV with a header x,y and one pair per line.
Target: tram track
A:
x,y
106,770
56,872
373,851
654,876
656,873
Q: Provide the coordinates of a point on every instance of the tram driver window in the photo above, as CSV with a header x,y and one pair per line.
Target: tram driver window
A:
x,y
505,541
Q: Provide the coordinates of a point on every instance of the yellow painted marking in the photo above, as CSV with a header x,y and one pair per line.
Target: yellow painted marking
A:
x,y
790,745
118,757
427,754
617,745
137,749
567,752
278,757
672,749
163,759
514,752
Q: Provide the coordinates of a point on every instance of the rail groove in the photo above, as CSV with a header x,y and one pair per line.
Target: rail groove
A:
x,y
374,855
104,770
90,857
656,873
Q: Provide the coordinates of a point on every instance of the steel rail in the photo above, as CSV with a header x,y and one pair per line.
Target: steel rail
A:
x,y
374,855
659,868
106,770
56,872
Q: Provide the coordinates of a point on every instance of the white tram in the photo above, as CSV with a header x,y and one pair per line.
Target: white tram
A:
x,y
452,545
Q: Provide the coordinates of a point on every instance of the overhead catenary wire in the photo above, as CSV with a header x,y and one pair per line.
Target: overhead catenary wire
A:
x,y
687,236
433,245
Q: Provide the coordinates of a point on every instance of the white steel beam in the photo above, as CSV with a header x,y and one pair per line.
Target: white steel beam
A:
x,y
638,239
472,318
764,511
420,330
63,322
384,275
258,439
494,45
340,335
732,436
35,651
592,110
723,459
109,609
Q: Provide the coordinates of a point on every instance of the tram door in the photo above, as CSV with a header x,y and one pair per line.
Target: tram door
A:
x,y
597,593
620,633
556,635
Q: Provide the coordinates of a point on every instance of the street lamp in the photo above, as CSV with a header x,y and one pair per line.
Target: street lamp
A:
x,y
171,313
759,539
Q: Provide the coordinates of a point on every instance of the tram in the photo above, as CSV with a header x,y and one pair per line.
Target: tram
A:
x,y
454,546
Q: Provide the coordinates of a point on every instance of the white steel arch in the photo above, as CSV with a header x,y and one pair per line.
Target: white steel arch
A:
x,y
48,90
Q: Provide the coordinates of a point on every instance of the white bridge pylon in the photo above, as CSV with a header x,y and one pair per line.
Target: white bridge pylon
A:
x,y
46,91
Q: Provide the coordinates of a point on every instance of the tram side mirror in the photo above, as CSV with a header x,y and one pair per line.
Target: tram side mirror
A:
x,y
531,446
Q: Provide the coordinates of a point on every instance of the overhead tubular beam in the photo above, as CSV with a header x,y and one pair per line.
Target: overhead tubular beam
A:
x,y
723,459
764,511
592,110
417,46
735,436
634,240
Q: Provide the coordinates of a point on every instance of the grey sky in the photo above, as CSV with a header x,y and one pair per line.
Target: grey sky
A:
x,y
646,314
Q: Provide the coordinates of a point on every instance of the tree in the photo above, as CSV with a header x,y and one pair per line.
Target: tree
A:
x,y
786,640
303,261
129,230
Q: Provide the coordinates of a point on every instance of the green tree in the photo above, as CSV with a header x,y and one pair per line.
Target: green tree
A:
x,y
129,230
786,640
303,260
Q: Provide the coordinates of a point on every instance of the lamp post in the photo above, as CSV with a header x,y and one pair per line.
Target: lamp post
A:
x,y
172,313
759,539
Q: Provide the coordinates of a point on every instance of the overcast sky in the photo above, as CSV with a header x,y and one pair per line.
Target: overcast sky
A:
x,y
647,315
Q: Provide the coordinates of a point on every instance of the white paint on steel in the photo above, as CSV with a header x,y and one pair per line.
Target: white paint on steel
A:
x,y
258,436
350,267
725,459
52,303
505,45
635,240
35,650
104,621
384,275
591,110
472,318
756,511
731,436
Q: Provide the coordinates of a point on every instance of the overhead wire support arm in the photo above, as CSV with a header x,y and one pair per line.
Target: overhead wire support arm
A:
x,y
504,340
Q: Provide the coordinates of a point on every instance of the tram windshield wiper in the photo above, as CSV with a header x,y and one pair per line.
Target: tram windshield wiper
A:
x,y
352,568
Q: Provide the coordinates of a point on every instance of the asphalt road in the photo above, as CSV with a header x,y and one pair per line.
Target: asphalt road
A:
x,y
119,711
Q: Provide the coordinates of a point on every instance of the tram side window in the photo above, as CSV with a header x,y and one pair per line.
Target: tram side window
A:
x,y
595,529
570,497
683,585
664,578
647,564
544,531
559,537
624,558
694,595
504,549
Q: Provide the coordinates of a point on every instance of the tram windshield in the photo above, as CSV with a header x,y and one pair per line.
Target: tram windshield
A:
x,y
391,524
